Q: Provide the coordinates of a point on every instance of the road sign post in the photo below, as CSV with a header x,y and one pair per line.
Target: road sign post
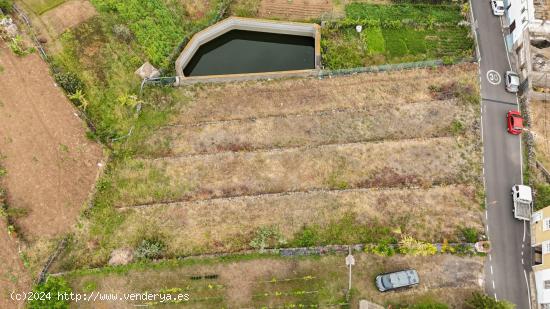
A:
x,y
350,261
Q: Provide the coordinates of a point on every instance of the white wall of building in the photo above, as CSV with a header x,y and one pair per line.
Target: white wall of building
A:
x,y
517,17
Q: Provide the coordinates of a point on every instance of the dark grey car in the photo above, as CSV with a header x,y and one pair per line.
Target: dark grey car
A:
x,y
397,280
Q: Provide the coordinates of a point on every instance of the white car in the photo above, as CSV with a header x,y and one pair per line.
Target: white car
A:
x,y
498,7
512,82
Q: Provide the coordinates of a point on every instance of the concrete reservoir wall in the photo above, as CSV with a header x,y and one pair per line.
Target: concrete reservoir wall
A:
x,y
248,24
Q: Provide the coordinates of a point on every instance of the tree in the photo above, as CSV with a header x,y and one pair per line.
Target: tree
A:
x,y
482,301
6,6
48,292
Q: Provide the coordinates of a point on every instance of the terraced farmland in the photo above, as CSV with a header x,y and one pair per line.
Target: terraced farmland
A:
x,y
356,159
275,282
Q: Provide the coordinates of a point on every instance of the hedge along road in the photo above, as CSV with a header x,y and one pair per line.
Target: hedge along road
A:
x,y
508,264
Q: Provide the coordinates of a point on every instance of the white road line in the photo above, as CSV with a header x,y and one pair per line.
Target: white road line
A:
x,y
490,258
496,296
522,262
494,288
528,289
491,269
486,216
523,230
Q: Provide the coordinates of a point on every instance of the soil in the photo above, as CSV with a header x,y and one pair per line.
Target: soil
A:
x,y
51,165
13,275
196,9
68,15
297,9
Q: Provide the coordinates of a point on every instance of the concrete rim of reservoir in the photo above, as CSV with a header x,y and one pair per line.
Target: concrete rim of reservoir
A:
x,y
248,24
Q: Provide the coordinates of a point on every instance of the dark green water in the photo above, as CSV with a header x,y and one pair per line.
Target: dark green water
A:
x,y
241,51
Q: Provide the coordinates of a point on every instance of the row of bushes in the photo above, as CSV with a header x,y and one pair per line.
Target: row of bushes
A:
x,y
443,14
428,23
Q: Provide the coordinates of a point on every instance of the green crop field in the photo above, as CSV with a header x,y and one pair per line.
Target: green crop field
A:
x,y
395,33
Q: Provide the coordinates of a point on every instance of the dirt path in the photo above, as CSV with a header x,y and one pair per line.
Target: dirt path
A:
x,y
51,165
13,275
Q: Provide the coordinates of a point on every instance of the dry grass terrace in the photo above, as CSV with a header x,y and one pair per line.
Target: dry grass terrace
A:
x,y
225,225
422,162
422,119
301,96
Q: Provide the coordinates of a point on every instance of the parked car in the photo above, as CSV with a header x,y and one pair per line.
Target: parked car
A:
x,y
522,197
514,122
512,82
498,7
397,280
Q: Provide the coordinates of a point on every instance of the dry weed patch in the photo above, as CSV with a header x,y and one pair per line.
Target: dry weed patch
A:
x,y
295,96
426,119
423,162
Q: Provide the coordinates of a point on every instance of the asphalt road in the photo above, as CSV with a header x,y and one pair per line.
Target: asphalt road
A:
x,y
508,263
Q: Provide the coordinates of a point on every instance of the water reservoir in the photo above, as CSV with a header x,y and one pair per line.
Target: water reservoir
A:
x,y
246,46
240,51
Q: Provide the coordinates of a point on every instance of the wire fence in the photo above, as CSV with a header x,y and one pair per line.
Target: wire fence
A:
x,y
175,80
394,67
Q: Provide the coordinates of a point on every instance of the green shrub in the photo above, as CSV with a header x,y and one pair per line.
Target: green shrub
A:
x,y
469,234
51,288
542,198
457,127
339,53
69,81
150,249
6,6
307,237
382,249
478,300
157,27
411,246
267,237
17,46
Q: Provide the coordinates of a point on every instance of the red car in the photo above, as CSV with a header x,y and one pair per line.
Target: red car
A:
x,y
515,122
